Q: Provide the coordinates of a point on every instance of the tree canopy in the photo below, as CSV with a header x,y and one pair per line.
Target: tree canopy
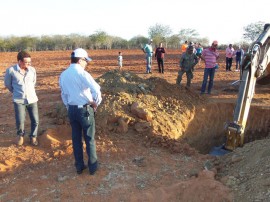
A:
x,y
253,30
102,40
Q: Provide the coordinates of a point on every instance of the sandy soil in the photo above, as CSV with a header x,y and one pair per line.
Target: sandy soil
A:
x,y
153,138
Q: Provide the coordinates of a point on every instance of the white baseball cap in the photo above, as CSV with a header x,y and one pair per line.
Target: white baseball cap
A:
x,y
80,53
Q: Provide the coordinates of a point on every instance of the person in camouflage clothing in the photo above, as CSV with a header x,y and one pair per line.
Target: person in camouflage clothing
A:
x,y
187,63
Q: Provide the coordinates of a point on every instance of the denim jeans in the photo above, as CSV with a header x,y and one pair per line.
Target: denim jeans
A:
x,y
20,113
82,122
148,63
208,72
238,63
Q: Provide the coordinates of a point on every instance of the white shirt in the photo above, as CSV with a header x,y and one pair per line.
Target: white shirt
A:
x,y
78,87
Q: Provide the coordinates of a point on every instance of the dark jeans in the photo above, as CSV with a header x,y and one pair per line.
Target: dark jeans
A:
x,y
82,121
228,64
208,72
160,65
20,113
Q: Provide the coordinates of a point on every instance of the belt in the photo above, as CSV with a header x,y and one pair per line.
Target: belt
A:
x,y
81,106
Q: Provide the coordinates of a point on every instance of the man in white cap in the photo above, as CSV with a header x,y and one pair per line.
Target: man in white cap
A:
x,y
81,95
148,49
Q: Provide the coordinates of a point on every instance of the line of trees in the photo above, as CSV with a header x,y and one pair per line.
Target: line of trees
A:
x,y
102,40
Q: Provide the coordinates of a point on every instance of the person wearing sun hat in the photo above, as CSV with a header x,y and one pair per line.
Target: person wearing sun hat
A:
x,y
209,56
81,95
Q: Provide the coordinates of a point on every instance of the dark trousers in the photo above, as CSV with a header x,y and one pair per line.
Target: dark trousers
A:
x,y
228,64
82,122
160,65
208,72
189,75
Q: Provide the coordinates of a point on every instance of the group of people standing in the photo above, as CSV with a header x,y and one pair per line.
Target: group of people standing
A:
x,y
80,94
191,56
159,55
230,54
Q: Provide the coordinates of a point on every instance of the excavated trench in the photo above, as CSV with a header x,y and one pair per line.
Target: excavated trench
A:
x,y
207,128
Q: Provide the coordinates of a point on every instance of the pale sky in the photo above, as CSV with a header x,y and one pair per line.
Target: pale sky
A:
x,y
215,19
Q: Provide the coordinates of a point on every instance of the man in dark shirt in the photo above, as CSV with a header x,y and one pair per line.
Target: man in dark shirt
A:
x,y
159,55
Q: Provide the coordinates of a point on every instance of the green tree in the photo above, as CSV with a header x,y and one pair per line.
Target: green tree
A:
x,y
138,41
159,33
119,43
253,30
188,34
99,39
173,41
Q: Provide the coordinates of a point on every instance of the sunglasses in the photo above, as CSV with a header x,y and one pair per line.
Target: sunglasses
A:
x,y
84,60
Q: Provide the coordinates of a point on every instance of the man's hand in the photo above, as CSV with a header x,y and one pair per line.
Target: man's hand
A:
x,y
94,105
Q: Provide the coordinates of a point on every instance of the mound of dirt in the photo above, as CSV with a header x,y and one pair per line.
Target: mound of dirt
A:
x,y
247,171
152,107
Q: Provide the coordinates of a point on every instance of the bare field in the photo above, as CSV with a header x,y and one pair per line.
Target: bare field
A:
x,y
162,157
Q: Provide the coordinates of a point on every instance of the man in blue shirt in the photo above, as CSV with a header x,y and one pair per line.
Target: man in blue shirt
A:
x,y
148,50
239,55
20,80
81,95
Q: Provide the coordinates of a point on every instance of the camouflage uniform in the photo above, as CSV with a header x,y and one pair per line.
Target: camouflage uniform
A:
x,y
187,63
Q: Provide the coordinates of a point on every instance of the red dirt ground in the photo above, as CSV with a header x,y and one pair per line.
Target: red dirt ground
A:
x,y
140,159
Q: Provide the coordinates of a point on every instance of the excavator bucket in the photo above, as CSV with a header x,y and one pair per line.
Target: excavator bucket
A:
x,y
219,151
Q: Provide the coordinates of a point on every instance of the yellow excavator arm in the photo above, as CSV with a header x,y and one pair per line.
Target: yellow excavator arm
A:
x,y
255,68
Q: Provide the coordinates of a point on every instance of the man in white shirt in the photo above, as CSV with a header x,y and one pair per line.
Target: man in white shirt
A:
x,y
229,57
81,95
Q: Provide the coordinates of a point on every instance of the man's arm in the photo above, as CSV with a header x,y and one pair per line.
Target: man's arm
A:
x,y
8,80
143,49
63,95
163,50
181,61
196,60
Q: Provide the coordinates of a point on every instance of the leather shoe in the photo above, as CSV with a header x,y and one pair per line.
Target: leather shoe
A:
x,y
81,171
19,140
33,141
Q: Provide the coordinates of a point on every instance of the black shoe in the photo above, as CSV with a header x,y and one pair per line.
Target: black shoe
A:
x,y
81,171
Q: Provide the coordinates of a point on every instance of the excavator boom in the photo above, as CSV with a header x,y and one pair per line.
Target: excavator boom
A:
x,y
255,68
